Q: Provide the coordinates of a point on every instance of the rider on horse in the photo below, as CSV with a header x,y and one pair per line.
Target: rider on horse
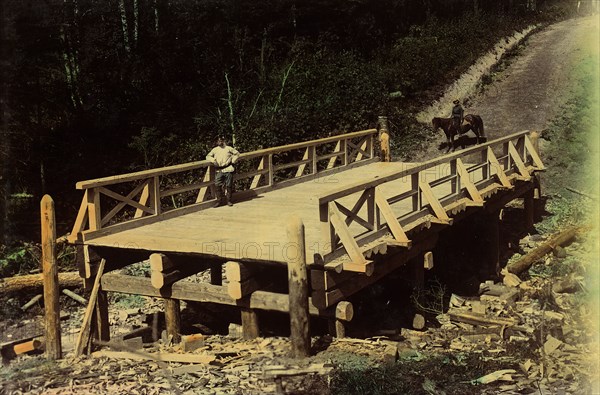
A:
x,y
457,115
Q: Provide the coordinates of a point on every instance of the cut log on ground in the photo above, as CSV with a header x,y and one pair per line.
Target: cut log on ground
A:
x,y
166,357
74,296
31,302
547,247
477,319
29,346
32,282
321,369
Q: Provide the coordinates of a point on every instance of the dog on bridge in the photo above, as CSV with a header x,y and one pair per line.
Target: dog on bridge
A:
x,y
471,122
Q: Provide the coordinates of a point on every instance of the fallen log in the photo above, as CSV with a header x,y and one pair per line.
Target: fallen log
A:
x,y
74,296
164,357
28,346
545,248
32,282
31,302
275,372
477,319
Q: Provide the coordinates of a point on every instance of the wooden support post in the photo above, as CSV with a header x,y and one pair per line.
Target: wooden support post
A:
x,y
428,260
298,289
165,271
173,319
102,322
250,327
337,328
491,262
529,208
384,139
216,274
50,274
344,312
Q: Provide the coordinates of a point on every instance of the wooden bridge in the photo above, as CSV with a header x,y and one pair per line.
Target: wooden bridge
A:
x,y
363,218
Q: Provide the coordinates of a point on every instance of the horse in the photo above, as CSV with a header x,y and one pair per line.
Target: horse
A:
x,y
472,122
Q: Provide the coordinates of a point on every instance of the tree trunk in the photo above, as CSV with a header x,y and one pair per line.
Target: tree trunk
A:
x,y
135,22
155,17
124,25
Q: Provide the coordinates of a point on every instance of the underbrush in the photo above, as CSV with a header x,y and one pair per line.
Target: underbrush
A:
x,y
25,257
451,373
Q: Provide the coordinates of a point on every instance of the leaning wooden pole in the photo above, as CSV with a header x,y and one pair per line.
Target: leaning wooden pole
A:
x,y
298,289
50,276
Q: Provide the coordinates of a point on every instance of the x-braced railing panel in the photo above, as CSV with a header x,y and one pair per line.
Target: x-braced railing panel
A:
x,y
385,208
125,201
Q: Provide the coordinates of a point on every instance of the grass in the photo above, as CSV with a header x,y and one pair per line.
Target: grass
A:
x,y
448,372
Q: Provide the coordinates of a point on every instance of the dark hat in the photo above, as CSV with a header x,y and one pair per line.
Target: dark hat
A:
x,y
456,101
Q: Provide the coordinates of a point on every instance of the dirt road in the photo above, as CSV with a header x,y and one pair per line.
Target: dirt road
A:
x,y
529,92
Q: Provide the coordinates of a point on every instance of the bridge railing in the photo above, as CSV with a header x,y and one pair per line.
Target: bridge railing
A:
x,y
354,216
125,201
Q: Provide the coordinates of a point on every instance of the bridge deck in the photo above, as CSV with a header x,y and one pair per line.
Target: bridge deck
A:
x,y
254,229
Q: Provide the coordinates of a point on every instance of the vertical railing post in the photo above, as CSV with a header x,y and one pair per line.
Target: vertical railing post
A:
x,y
371,208
326,229
50,278
508,164
520,146
271,170
156,195
534,137
485,169
344,143
313,156
94,212
454,182
414,186
298,289
384,139
535,140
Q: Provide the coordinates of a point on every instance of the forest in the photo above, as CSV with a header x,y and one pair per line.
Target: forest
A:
x,y
92,88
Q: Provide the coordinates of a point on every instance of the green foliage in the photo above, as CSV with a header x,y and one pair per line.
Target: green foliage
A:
x,y
127,301
156,149
140,269
24,368
570,151
18,259
21,258
451,373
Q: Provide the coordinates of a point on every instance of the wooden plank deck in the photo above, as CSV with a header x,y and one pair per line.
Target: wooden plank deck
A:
x,y
254,229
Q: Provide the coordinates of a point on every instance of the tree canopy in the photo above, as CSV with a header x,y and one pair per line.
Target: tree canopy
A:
x,y
93,88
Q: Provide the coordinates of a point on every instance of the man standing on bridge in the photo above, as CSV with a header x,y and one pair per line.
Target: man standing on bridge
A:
x,y
457,115
223,157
